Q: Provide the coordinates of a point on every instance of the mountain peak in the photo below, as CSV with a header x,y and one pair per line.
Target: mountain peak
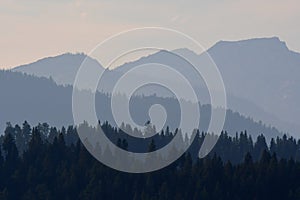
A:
x,y
62,68
262,39
272,43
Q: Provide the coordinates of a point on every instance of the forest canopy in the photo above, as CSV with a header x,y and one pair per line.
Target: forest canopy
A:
x,y
45,162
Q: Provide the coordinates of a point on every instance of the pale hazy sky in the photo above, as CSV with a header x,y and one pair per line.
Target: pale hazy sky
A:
x,y
33,29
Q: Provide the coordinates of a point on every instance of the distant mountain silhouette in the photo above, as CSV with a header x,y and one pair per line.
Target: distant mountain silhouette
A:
x,y
25,97
261,77
62,69
263,71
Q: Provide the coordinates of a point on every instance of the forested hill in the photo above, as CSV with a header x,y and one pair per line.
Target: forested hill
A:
x,y
25,97
55,166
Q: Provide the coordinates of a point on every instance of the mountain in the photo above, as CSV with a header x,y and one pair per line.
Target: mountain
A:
x,y
62,69
261,77
26,97
267,73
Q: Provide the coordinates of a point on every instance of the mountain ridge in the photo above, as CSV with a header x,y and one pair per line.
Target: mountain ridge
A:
x,y
46,101
62,68
259,71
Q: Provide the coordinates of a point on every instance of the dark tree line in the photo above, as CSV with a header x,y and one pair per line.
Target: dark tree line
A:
x,y
43,162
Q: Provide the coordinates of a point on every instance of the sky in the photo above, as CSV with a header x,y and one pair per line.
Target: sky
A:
x,y
33,29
